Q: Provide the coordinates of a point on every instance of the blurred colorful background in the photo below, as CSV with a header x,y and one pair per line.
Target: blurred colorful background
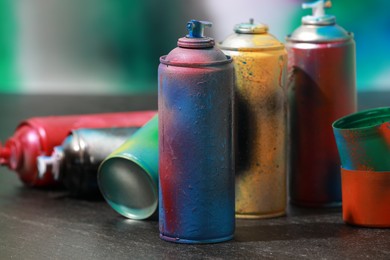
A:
x,y
113,47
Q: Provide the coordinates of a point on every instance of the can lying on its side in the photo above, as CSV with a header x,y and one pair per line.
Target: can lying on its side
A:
x,y
75,163
128,177
39,135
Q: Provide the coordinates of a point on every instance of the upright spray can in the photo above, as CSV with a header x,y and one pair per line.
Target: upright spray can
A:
x,y
321,89
39,135
260,62
196,163
76,161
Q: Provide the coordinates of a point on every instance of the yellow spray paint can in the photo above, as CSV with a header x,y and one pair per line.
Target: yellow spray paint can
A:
x,y
260,63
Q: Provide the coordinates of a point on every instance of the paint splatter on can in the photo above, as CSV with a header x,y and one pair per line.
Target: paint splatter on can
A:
x,y
366,198
363,140
321,89
196,162
128,177
39,135
260,62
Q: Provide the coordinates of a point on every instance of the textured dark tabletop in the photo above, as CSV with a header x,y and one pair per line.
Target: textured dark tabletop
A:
x,y
47,224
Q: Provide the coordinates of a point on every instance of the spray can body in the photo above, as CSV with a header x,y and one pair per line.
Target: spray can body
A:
x,y
81,154
38,136
196,164
321,89
260,62
128,177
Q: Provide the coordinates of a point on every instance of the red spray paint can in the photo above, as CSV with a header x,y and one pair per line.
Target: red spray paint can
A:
x,y
321,89
39,135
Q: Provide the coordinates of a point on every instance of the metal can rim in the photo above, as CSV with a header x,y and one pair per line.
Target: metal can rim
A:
x,y
136,161
271,48
195,65
350,38
344,123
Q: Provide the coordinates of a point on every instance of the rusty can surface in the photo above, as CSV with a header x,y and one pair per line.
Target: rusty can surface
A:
x,y
196,162
260,62
321,89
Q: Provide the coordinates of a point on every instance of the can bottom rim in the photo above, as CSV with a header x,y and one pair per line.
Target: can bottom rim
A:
x,y
195,241
261,216
309,204
365,225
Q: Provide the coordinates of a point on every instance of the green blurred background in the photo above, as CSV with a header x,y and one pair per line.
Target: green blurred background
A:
x,y
113,47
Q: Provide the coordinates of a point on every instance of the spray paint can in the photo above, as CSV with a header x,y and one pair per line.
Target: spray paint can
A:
x,y
260,62
196,163
39,135
76,161
128,177
321,89
363,142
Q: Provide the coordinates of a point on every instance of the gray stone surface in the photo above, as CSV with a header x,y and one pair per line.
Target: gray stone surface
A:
x,y
48,224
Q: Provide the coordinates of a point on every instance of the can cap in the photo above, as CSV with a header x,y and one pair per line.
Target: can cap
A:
x,y
5,153
13,154
195,50
251,36
251,27
195,38
363,139
319,27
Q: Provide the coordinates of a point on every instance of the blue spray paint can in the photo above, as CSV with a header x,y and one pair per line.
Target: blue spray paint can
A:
x,y
195,141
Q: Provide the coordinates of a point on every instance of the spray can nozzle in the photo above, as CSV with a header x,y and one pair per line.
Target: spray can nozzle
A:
x,y
196,28
318,16
318,7
53,161
5,154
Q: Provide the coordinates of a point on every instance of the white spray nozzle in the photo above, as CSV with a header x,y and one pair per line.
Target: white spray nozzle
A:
x,y
317,7
53,161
